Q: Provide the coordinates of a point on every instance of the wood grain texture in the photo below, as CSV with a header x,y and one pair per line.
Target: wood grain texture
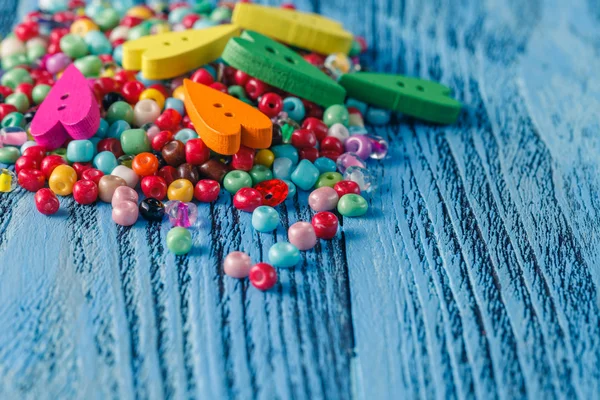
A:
x,y
475,274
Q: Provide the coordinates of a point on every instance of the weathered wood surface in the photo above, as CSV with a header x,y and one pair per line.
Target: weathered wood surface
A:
x,y
474,276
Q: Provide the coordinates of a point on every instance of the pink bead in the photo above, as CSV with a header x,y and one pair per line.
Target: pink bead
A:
x,y
124,193
16,138
237,264
360,145
302,235
323,199
125,213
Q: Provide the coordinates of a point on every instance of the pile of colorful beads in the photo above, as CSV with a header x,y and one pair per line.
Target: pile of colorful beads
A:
x,y
146,140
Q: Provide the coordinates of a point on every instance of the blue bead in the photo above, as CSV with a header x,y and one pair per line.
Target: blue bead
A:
x,y
211,70
176,16
265,219
295,108
185,134
359,105
305,175
377,116
282,168
175,104
80,151
204,23
102,129
97,43
27,144
145,81
291,189
287,151
95,141
325,164
105,161
118,54
284,255
116,128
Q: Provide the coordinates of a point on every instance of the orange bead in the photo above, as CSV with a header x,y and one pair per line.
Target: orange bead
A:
x,y
145,164
181,189
62,180
179,93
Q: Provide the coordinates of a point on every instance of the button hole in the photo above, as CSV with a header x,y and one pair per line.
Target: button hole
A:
x,y
270,50
64,96
289,59
62,107
420,88
185,39
401,84
167,43
228,114
217,105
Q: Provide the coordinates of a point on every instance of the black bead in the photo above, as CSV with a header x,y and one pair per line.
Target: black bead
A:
x,y
110,98
152,209
277,136
28,116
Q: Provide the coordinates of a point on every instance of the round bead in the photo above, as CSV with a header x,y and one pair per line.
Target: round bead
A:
x,y
213,169
303,138
295,108
302,235
196,152
282,168
73,46
325,164
339,132
25,162
181,213
85,192
119,110
379,147
152,210
8,181
40,92
305,175
38,153
154,187
264,157
145,164
161,139
19,100
270,104
169,119
265,219
9,155
360,145
62,179
243,159
181,189
127,174
179,241
189,172
336,113
125,213
135,141
247,199
263,276
107,186
365,180
286,151
376,116
174,153
346,187
89,66
124,193
235,180
347,160
49,163
291,189
318,127
185,134
92,174
260,173
31,179
284,255
325,224
237,264
328,179
352,205
207,190
155,95
46,201
105,161
145,111
80,151
323,199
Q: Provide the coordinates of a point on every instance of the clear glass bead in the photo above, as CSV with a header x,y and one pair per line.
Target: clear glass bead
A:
x,y
365,180
348,160
8,180
338,64
181,213
379,147
126,160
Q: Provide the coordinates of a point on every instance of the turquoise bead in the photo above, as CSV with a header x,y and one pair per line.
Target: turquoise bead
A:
x,y
325,164
284,255
305,175
117,128
204,23
102,129
97,43
80,151
185,134
179,241
147,82
175,104
377,116
291,189
95,140
287,151
295,108
118,54
105,161
336,113
282,168
359,105
211,70
178,14
265,219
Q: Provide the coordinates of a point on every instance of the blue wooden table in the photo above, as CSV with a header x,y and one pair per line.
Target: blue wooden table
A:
x,y
475,274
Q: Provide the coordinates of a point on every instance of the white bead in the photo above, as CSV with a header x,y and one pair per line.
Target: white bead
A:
x,y
37,41
12,45
120,32
339,131
130,177
145,111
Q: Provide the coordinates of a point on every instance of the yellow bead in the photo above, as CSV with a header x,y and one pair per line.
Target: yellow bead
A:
x,y
180,189
179,93
83,26
155,95
160,28
62,180
139,12
264,157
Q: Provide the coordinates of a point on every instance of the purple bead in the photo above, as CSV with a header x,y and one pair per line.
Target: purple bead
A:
x,y
379,147
125,213
302,235
57,63
181,213
359,144
323,199
124,193
347,160
237,264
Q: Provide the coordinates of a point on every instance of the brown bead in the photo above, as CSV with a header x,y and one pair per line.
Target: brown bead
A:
x,y
189,172
107,186
213,169
174,153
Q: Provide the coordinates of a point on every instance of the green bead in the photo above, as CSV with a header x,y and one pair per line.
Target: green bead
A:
x,y
14,77
73,45
260,173
19,100
135,141
107,19
235,180
203,7
237,91
15,60
328,179
61,151
336,113
35,52
9,154
40,92
220,14
355,49
89,66
126,160
138,31
179,241
13,119
119,110
352,205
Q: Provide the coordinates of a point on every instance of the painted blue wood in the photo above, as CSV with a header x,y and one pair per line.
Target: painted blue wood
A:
x,y
474,275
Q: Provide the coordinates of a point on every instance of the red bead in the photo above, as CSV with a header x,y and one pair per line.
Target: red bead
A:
x,y
26,31
332,143
331,154
93,175
243,159
270,104
207,190
161,138
53,48
168,173
325,224
154,186
80,168
247,199
202,76
38,153
189,20
263,276
63,16
130,21
5,91
106,84
309,153
131,91
25,162
106,58
288,6
315,59
273,191
255,88
196,152
6,109
219,86
318,127
169,120
25,88
124,76
46,201
57,34
241,78
346,187
49,163
187,122
110,144
302,138
31,179
160,88
85,192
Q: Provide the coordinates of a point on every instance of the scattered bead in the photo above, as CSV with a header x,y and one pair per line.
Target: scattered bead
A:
x,y
352,205
263,276
31,179
152,209
181,213
107,186
46,201
302,235
8,180
237,264
125,213
284,255
207,190
85,192
62,179
124,193
265,219
323,199
325,224
181,189
247,199
179,241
